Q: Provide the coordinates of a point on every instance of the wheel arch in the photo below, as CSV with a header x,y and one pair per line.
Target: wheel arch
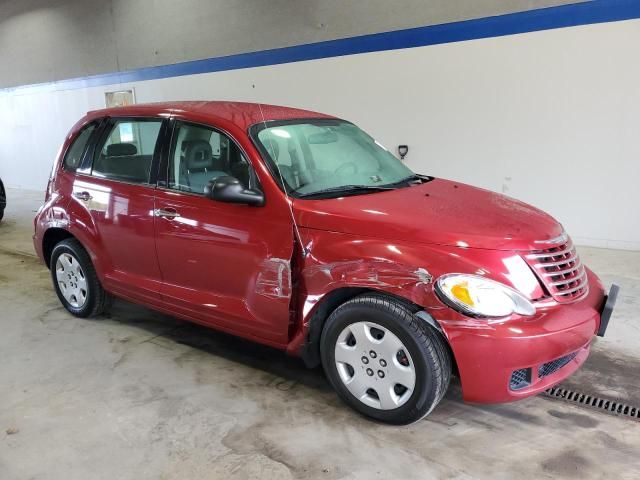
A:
x,y
310,349
52,236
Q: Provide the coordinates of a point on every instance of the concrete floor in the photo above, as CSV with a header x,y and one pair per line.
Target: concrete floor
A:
x,y
138,395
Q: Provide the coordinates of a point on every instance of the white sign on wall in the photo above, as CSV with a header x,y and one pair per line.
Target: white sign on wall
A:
x,y
120,98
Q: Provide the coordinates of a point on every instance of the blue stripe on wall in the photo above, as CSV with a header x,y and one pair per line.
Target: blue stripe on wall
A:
x,y
596,11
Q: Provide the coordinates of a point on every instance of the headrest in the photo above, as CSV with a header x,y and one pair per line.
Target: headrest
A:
x,y
197,154
287,174
121,149
272,146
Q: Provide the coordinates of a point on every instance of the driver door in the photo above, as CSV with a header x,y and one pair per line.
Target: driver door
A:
x,y
222,264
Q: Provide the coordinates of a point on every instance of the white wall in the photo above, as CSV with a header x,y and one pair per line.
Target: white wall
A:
x,y
550,117
52,40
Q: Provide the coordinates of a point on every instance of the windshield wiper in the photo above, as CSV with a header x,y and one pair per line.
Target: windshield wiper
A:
x,y
411,178
345,189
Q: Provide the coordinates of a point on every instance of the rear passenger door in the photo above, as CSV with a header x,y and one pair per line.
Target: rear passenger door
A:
x,y
118,191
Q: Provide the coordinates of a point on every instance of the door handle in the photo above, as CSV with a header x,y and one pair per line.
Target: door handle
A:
x,y
166,213
84,196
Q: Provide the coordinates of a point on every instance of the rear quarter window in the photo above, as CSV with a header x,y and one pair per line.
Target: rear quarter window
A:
x,y
73,157
126,154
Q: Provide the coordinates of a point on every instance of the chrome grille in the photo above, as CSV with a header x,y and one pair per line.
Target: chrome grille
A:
x,y
561,272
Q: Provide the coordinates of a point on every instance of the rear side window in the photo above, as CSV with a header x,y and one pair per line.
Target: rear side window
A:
x,y
74,155
127,152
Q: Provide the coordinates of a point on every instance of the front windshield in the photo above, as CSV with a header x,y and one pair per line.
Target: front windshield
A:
x,y
326,158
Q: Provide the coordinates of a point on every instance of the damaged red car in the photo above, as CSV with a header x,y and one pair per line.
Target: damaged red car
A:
x,y
300,231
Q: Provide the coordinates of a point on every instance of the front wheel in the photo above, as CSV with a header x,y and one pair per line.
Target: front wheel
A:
x,y
383,361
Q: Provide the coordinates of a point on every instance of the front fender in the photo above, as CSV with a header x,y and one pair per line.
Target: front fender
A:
x,y
407,270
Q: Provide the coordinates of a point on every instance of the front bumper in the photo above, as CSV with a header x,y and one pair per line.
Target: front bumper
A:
x,y
548,347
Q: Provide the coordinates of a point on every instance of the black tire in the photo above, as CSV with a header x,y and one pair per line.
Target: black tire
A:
x,y
97,300
426,347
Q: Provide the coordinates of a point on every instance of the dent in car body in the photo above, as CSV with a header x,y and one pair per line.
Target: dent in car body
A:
x,y
274,278
502,345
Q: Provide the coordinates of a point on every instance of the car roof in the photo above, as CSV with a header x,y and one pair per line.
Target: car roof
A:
x,y
242,114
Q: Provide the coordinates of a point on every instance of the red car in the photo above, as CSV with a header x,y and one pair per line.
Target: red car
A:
x,y
300,231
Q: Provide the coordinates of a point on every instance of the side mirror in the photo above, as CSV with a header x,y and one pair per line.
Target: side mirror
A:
x,y
229,189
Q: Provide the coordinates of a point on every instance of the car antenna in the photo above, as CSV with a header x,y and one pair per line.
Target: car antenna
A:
x,y
284,186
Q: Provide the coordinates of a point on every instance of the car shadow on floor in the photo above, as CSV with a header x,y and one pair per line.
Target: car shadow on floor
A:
x,y
170,330
604,371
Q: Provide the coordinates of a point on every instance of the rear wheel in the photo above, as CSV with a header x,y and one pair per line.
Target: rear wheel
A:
x,y
383,361
75,280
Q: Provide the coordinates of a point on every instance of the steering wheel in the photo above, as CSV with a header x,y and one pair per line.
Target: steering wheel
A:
x,y
345,166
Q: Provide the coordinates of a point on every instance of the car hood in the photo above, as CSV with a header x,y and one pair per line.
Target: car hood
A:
x,y
436,212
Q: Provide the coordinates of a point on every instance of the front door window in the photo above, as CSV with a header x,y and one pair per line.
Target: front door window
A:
x,y
202,154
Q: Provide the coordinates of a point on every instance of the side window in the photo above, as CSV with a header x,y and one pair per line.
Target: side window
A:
x,y
201,154
73,156
127,152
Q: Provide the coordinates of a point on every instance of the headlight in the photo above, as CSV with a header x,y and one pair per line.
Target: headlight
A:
x,y
478,296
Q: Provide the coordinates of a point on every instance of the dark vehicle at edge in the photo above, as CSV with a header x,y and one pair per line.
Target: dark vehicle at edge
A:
x,y
3,199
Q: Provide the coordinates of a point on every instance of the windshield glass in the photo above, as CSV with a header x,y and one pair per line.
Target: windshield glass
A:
x,y
326,158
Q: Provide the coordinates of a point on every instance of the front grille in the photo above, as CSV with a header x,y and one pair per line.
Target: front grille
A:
x,y
520,379
555,365
561,272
